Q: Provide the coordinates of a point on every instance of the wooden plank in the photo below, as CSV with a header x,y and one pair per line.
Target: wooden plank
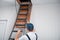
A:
x,y
21,16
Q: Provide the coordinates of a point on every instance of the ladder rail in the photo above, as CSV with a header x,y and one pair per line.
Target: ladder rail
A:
x,y
13,26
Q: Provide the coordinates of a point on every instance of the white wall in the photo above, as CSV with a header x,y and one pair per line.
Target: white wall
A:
x,y
46,19
8,12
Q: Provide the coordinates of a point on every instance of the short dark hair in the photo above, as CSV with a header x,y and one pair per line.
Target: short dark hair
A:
x,y
30,26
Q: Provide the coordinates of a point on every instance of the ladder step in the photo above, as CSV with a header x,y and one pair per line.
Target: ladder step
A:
x,y
11,39
25,3
15,31
23,13
23,8
20,24
22,16
21,19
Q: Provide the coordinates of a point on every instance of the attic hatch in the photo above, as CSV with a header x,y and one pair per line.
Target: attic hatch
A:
x,y
25,0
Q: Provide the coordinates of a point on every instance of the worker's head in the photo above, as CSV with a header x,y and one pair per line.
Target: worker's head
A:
x,y
30,26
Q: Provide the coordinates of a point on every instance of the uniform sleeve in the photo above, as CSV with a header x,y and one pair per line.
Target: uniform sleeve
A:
x,y
23,38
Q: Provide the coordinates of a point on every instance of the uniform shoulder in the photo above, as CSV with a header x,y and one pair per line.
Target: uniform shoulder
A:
x,y
24,37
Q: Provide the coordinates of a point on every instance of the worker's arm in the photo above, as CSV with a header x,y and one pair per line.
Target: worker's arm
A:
x,y
17,35
18,1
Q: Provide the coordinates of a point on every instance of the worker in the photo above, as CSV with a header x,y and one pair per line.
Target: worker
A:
x,y
30,35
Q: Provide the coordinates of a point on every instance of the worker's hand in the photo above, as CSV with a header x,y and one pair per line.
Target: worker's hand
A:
x,y
17,35
34,30
28,21
19,32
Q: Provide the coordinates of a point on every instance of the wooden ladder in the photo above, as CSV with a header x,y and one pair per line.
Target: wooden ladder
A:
x,y
23,17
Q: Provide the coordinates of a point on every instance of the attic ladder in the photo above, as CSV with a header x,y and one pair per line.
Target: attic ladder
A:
x,y
22,17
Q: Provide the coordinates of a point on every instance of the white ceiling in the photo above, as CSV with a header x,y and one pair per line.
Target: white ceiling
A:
x,y
45,1
33,1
